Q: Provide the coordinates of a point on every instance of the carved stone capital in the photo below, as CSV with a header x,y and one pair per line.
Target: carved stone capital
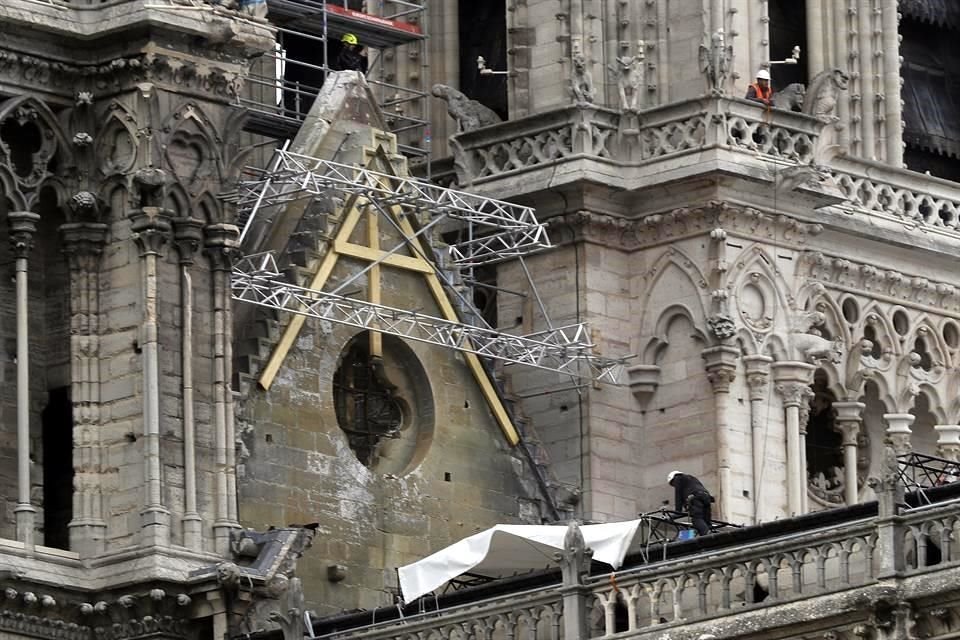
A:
x,y
792,371
898,431
222,244
83,242
721,365
758,375
151,229
794,394
23,227
848,420
948,441
188,236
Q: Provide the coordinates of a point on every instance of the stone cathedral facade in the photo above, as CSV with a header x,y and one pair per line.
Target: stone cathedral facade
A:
x,y
783,278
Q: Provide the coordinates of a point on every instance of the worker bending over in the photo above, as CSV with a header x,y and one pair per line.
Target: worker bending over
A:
x,y
693,499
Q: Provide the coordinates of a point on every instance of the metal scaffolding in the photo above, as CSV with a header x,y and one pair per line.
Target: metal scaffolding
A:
x,y
495,230
566,350
282,88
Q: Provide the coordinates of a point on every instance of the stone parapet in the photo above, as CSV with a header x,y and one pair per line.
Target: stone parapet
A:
x,y
659,133
823,581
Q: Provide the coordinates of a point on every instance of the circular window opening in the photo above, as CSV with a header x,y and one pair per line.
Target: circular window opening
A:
x,y
951,335
383,403
900,323
851,311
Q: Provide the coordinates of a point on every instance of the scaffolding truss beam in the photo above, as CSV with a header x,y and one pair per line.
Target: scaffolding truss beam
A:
x,y
565,350
502,230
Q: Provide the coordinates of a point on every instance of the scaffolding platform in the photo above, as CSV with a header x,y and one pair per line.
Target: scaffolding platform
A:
x,y
283,86
312,16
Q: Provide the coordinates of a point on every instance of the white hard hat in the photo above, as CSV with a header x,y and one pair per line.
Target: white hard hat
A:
x,y
671,475
763,74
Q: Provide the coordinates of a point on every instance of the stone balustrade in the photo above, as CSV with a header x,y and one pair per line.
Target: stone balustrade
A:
x,y
757,575
898,193
661,132
843,564
536,615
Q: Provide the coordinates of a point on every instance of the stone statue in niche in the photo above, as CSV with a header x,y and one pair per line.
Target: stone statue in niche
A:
x,y
469,114
581,81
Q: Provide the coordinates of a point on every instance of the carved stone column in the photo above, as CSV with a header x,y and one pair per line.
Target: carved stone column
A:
x,y
948,441
758,377
898,431
721,365
151,231
793,382
23,226
804,420
188,235
83,244
221,242
574,564
848,422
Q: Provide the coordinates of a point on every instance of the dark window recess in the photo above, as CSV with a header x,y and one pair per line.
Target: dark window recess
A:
x,y
931,96
57,421
366,404
824,444
788,29
483,32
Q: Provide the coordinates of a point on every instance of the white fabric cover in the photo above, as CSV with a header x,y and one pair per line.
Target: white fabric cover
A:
x,y
508,549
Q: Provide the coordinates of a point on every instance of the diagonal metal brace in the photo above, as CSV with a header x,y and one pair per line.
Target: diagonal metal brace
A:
x,y
564,350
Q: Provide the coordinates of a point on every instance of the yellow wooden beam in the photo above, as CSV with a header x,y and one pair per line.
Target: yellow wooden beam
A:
x,y
490,394
292,330
373,278
372,255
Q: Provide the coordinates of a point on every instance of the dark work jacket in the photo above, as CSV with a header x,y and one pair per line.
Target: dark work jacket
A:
x,y
351,60
684,486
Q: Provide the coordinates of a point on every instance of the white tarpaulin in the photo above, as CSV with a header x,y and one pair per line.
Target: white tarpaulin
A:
x,y
507,549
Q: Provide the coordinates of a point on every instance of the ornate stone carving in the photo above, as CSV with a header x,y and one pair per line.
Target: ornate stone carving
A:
x,y
722,326
166,68
716,62
790,98
151,229
870,279
469,114
793,393
581,81
631,234
82,139
824,93
810,347
23,229
629,75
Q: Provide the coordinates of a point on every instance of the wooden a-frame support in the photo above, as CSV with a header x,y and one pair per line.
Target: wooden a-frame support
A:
x,y
356,206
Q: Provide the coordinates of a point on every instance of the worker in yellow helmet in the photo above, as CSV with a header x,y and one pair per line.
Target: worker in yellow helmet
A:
x,y
352,57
